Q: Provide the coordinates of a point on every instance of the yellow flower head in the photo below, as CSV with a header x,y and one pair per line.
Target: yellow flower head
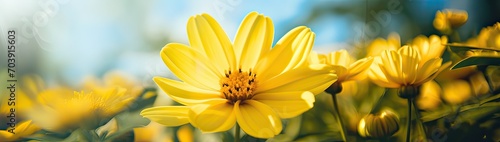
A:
x,y
114,79
61,109
377,46
489,37
448,19
346,67
429,47
245,82
404,67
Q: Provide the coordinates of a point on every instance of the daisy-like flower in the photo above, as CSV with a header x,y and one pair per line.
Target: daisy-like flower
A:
x,y
448,19
246,82
62,110
346,67
404,67
430,47
377,46
489,37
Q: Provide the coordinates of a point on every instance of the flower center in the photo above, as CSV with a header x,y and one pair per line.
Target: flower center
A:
x,y
238,85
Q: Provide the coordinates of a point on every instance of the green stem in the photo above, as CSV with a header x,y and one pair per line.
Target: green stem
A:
x,y
375,107
456,36
408,123
336,106
237,133
420,124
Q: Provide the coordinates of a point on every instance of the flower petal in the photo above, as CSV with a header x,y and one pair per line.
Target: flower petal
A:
x,y
287,104
358,68
206,35
257,119
314,78
191,66
167,115
340,58
254,39
214,117
290,52
378,77
184,93
391,65
410,59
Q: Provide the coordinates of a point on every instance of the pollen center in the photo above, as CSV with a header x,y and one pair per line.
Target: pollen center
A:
x,y
238,85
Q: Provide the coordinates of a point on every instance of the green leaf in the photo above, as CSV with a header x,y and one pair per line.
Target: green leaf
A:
x,y
130,119
470,113
477,60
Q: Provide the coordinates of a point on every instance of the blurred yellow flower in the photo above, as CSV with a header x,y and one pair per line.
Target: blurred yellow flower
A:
x,y
449,19
23,129
346,67
61,109
114,79
430,96
152,132
247,82
488,37
429,47
377,46
456,91
404,67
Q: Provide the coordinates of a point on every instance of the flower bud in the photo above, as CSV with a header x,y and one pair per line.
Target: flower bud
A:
x,y
380,125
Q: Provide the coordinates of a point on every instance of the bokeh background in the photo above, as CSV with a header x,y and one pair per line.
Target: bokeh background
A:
x,y
66,40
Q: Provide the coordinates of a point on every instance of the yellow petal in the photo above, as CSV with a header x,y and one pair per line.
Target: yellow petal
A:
x,y
254,39
340,58
391,66
206,35
184,93
167,115
191,66
341,71
358,68
214,117
7,136
378,77
290,52
257,119
312,78
409,64
315,58
429,68
287,104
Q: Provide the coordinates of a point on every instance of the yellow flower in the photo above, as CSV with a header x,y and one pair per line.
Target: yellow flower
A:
x,y
377,46
115,79
490,36
23,129
430,96
246,82
456,91
346,67
61,109
448,19
429,47
404,68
